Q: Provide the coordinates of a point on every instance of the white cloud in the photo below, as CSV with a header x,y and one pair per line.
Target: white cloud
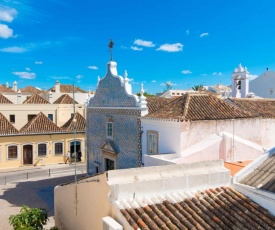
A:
x,y
153,81
5,31
217,74
7,14
28,69
171,47
204,34
187,71
187,32
25,75
13,49
58,78
38,62
136,48
204,74
92,67
79,76
124,47
141,42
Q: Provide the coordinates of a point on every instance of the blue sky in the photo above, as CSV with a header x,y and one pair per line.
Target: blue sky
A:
x,y
185,42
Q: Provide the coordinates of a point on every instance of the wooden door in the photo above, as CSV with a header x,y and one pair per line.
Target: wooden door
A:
x,y
27,154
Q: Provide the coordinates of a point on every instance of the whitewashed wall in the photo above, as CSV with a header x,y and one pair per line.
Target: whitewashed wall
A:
x,y
230,140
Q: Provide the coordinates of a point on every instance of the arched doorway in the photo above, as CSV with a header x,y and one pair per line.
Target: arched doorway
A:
x,y
27,154
77,146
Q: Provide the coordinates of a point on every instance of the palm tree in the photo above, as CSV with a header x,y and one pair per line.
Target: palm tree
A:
x,y
198,88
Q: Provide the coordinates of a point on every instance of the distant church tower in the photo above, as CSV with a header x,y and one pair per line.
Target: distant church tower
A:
x,y
240,83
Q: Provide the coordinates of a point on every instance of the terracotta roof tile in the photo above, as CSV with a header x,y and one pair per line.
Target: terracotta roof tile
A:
x,y
220,208
36,99
65,99
40,124
259,107
155,103
199,106
4,100
4,89
6,128
263,177
30,89
68,89
80,124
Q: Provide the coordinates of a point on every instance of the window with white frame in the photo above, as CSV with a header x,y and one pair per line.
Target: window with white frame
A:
x,y
12,152
109,129
152,142
42,150
58,148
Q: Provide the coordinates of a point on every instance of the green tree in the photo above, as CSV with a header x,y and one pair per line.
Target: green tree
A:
x,y
29,219
146,94
198,88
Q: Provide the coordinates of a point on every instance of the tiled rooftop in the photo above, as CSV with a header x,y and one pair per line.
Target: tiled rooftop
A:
x,y
199,106
155,103
80,124
220,208
36,99
6,128
260,107
30,89
65,99
68,89
4,100
40,124
4,89
263,177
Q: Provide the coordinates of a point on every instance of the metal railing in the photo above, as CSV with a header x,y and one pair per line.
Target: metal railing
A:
x,y
6,178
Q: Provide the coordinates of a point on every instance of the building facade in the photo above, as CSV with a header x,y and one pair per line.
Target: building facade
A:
x,y
113,124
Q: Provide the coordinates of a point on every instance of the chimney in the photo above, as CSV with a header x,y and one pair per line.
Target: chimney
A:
x,y
19,97
57,86
14,86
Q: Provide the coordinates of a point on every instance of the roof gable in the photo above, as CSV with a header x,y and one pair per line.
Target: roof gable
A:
x,y
6,127
199,106
111,91
36,99
4,100
68,89
40,124
4,89
65,99
80,123
30,89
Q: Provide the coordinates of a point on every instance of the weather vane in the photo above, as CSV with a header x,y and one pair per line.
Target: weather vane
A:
x,y
111,45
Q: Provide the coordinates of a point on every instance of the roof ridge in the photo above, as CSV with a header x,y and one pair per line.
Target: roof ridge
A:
x,y
186,106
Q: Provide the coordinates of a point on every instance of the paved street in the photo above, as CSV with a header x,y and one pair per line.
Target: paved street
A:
x,y
35,192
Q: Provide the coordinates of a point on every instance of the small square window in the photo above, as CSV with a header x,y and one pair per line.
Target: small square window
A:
x,y
31,116
50,116
12,118
12,152
58,148
42,150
